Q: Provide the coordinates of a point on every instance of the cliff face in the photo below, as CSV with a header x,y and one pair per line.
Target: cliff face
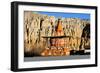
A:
x,y
36,26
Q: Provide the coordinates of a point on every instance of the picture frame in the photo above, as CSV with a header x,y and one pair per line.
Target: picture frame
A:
x,y
30,22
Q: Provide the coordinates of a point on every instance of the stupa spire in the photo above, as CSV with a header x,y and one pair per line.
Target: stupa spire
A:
x,y
59,28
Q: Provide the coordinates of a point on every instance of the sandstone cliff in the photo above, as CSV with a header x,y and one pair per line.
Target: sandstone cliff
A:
x,y
37,25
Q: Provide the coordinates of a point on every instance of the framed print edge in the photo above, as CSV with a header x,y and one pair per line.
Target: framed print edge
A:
x,y
14,36
96,36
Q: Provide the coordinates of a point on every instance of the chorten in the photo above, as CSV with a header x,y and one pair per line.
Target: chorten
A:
x,y
59,28
59,32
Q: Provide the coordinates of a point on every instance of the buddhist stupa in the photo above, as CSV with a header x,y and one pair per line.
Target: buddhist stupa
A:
x,y
57,44
59,29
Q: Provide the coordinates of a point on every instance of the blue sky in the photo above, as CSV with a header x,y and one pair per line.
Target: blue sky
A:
x,y
67,15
